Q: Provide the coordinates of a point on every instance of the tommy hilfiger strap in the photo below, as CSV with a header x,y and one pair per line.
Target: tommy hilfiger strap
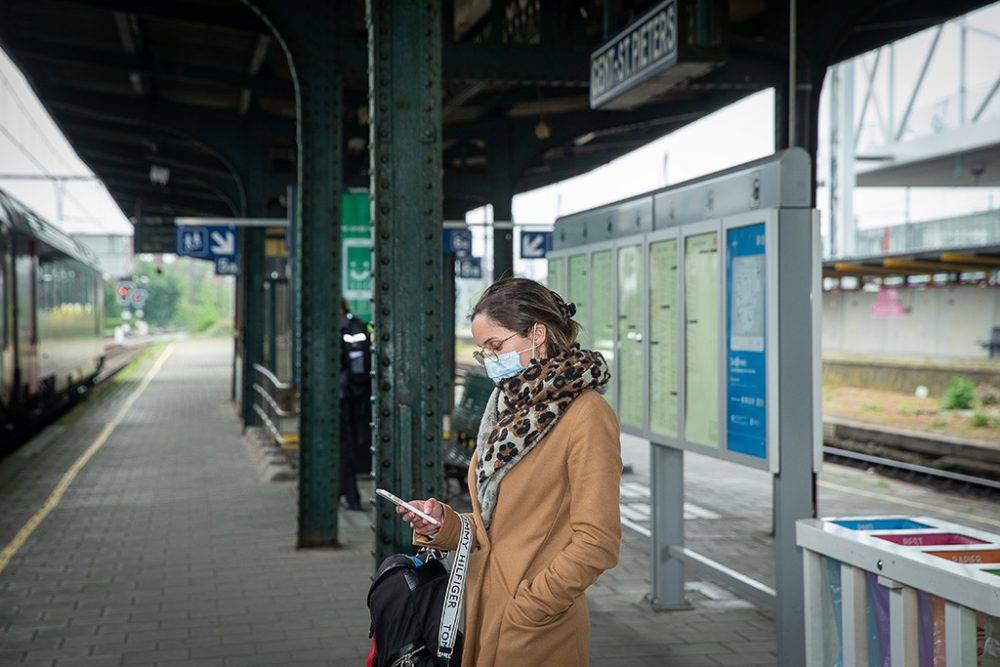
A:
x,y
454,596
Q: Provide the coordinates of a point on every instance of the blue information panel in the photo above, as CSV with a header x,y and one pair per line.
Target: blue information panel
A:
x,y
458,241
208,242
470,267
746,309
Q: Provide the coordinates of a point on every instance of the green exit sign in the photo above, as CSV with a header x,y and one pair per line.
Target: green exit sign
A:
x,y
356,257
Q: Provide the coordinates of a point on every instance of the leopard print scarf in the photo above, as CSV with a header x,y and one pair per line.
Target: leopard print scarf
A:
x,y
524,408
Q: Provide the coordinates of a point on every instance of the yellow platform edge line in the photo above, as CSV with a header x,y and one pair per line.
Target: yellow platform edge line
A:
x,y
916,504
67,479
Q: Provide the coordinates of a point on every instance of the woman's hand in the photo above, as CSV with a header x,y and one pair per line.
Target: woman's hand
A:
x,y
421,527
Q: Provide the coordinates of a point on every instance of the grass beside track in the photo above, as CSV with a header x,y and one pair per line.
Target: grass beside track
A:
x,y
38,446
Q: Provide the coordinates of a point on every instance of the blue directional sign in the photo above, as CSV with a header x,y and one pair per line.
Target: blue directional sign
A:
x,y
746,354
458,241
192,241
224,266
208,242
535,245
470,267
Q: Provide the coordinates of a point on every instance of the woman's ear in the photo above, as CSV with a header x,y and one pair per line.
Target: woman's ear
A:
x,y
540,334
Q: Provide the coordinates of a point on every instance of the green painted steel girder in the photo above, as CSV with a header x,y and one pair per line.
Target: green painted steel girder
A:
x,y
59,54
306,32
508,64
405,112
194,13
135,111
110,158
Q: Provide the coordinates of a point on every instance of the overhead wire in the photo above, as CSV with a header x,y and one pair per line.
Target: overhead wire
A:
x,y
44,139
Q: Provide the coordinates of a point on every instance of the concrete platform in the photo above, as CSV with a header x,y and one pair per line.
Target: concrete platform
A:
x,y
168,547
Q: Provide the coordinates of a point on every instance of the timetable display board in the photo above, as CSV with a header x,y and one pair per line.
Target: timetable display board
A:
x,y
686,318
631,366
746,354
603,314
578,292
701,339
664,389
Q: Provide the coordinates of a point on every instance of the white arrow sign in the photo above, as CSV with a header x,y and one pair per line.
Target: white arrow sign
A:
x,y
223,243
533,246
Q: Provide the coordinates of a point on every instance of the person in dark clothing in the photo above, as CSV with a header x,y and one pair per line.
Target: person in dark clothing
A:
x,y
355,395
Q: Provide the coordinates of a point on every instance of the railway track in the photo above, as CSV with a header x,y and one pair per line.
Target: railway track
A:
x,y
116,359
986,488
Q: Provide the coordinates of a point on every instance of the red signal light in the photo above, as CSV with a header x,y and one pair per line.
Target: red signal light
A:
x,y
122,291
137,297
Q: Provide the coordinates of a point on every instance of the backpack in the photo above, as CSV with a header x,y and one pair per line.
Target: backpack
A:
x,y
412,611
355,358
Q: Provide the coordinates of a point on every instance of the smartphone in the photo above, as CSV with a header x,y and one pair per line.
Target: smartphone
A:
x,y
407,506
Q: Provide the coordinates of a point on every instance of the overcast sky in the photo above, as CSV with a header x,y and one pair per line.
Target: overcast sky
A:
x,y
31,144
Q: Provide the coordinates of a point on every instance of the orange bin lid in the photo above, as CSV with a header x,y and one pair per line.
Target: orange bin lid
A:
x,y
971,557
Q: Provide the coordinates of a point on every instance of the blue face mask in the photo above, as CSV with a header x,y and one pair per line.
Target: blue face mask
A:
x,y
507,364
504,366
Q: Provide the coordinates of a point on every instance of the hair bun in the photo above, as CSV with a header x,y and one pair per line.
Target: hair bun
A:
x,y
571,309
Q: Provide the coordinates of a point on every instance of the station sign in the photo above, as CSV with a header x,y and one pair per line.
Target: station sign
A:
x,y
457,241
635,56
470,267
208,242
356,270
535,245
225,266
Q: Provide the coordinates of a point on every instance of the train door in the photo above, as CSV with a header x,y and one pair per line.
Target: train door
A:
x,y
6,324
25,307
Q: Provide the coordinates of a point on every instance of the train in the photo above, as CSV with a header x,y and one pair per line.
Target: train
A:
x,y
51,319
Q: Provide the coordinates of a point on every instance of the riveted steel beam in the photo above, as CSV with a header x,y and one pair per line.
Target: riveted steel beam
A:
x,y
405,109
306,31
58,54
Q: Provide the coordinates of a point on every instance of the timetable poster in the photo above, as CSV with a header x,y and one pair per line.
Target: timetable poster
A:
x,y
603,310
555,279
663,389
701,339
631,371
577,287
746,385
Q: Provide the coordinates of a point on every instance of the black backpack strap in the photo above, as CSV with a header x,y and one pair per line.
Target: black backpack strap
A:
x,y
404,656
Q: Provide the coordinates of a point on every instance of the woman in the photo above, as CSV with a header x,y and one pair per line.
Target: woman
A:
x,y
544,481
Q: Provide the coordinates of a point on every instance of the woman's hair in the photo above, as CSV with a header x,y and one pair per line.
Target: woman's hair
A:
x,y
518,303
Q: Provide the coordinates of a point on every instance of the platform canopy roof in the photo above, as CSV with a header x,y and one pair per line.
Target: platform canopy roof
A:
x,y
123,79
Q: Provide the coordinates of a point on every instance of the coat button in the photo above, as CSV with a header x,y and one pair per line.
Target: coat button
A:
x,y
477,545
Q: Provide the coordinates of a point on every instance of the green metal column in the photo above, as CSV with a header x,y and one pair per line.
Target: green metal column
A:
x,y
448,297
255,167
307,32
404,61
252,275
503,238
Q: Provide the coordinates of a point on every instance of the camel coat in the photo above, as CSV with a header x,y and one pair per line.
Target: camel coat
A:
x,y
555,529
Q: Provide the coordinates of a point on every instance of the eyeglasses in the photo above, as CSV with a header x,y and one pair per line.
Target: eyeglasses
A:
x,y
482,355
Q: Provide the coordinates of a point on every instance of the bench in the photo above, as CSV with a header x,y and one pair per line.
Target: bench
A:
x,y
465,427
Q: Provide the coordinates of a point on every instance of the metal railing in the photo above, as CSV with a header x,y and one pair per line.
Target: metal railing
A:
x,y
975,230
276,404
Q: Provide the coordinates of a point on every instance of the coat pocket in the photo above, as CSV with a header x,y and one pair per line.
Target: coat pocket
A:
x,y
522,612
528,636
